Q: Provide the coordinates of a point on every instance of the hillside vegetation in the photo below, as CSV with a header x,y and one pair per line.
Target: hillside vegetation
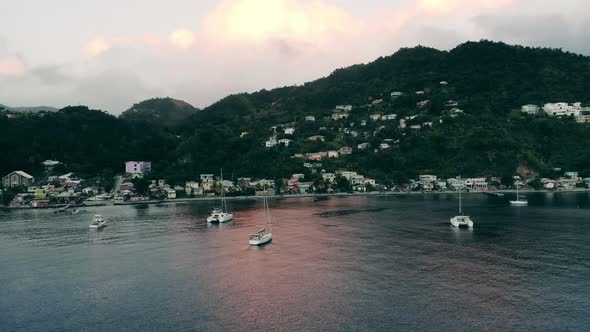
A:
x,y
488,80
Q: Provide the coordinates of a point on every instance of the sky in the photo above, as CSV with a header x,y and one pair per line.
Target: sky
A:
x,y
110,54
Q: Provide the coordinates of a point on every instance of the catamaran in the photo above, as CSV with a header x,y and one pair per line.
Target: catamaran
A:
x,y
261,237
520,199
461,220
98,222
221,215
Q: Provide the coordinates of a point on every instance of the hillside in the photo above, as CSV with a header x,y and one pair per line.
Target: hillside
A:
x,y
34,109
487,81
165,112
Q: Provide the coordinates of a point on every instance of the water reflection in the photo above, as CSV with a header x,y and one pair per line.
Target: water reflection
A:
x,y
462,234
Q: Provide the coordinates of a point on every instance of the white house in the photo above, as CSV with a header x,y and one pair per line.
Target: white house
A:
x,y
375,117
310,118
338,116
530,109
333,154
50,163
207,177
363,146
345,108
285,141
428,178
562,109
289,131
272,142
396,94
388,117
384,146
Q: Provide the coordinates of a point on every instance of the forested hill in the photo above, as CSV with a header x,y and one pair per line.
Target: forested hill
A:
x,y
488,81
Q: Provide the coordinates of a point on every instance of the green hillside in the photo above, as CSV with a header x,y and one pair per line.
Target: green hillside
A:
x,y
489,81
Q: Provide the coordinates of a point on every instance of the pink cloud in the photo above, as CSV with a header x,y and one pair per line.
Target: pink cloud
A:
x,y
11,67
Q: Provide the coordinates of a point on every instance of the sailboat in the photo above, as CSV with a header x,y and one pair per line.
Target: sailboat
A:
x,y
98,222
520,199
221,215
261,237
461,220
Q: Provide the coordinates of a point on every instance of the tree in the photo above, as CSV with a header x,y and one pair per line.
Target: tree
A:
x,y
342,184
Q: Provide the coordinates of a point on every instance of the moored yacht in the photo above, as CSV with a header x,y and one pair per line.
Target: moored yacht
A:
x,y
520,199
261,237
221,214
461,220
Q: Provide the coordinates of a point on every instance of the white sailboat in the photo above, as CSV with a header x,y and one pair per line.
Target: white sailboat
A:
x,y
221,215
520,199
461,220
261,237
98,222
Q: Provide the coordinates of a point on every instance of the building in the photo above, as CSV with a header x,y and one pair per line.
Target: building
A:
x,y
375,117
388,117
530,109
207,177
17,179
333,154
384,146
272,142
317,138
363,146
127,186
244,134
396,94
444,83
285,141
289,131
138,167
338,116
345,150
562,109
50,163
377,101
170,193
423,103
310,118
345,108
428,178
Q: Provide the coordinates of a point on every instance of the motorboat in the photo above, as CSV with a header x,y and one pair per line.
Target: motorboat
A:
x,y
98,222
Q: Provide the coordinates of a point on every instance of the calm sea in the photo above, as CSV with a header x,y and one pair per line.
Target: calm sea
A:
x,y
344,264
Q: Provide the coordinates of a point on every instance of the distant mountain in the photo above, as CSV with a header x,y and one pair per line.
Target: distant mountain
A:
x,y
166,112
34,109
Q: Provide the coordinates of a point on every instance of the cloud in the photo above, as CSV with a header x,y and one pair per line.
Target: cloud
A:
x,y
12,67
182,37
261,20
246,45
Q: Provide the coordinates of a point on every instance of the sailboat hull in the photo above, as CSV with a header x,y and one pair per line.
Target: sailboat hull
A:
x,y
261,240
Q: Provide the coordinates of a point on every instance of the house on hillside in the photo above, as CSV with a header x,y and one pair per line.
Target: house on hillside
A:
x,y
17,179
338,116
345,150
388,117
396,94
375,117
272,142
363,146
285,141
317,138
530,109
563,109
289,131
310,118
138,167
377,101
344,108
207,178
333,154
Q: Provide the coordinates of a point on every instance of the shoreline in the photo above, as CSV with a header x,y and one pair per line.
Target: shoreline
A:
x,y
290,196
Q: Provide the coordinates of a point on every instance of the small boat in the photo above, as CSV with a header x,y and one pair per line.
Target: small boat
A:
x,y
261,237
461,220
75,212
221,214
520,199
98,222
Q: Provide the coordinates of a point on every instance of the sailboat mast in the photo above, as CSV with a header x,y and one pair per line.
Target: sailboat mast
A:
x,y
223,204
460,209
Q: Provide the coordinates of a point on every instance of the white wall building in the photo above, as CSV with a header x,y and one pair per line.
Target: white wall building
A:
x,y
530,109
562,109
